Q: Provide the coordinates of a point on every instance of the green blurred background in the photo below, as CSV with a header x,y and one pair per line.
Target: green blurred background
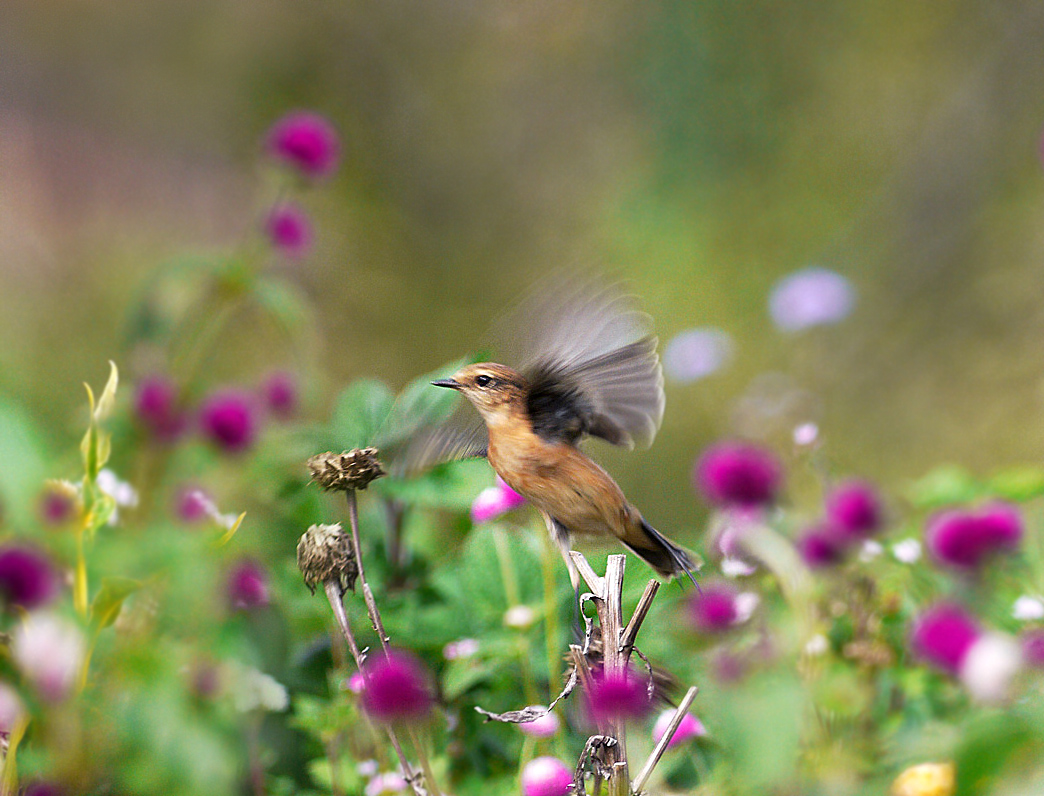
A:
x,y
701,150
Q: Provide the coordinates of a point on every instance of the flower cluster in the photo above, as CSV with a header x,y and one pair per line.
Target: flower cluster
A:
x,y
853,514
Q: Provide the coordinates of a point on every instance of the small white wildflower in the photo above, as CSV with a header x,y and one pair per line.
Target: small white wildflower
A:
x,y
253,690
463,648
386,783
367,768
746,602
122,493
1028,608
806,434
736,568
817,645
519,616
870,550
908,551
990,666
49,650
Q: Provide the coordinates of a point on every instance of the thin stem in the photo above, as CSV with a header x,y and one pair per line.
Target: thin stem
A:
x,y
665,739
422,754
547,561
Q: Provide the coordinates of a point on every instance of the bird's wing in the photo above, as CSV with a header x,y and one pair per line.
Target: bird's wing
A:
x,y
590,360
462,435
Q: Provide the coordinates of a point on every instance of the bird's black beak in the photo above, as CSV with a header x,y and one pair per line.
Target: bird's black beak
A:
x,y
453,385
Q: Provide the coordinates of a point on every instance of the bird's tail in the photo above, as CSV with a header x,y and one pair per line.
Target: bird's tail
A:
x,y
663,555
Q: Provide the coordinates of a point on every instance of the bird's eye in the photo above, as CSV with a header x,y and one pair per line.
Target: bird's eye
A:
x,y
483,380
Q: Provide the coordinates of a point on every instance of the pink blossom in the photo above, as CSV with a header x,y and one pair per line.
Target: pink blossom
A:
x,y
546,776
713,608
543,727
965,539
822,546
289,230
27,577
494,501
943,635
737,474
690,727
854,508
228,420
618,695
248,585
280,394
397,687
158,409
1033,647
307,142
50,651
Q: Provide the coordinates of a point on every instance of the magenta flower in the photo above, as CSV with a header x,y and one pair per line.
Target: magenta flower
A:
x,y
59,502
228,420
290,230
307,142
854,509
27,577
943,635
737,474
690,727
494,501
247,585
965,539
618,695
822,546
158,409
397,687
279,391
1033,648
546,776
713,608
192,505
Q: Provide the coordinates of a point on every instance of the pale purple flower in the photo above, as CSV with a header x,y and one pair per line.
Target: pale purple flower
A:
x,y
854,508
12,709
697,353
49,650
690,727
965,539
247,585
543,727
389,782
193,505
27,577
158,408
494,501
618,695
713,608
307,142
280,394
943,635
356,683
546,776
810,297
59,502
289,230
228,419
123,494
462,648
737,474
397,687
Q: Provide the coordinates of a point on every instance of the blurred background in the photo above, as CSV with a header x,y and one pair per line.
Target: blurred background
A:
x,y
703,151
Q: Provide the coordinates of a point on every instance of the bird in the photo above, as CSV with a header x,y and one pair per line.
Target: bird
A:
x,y
586,367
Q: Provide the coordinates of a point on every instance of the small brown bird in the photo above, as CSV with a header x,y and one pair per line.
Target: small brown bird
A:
x,y
589,368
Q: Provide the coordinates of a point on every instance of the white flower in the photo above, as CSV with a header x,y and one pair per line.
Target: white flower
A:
x,y
50,651
463,648
817,645
122,493
990,666
745,604
252,690
1027,608
870,550
736,568
908,551
367,768
806,434
520,616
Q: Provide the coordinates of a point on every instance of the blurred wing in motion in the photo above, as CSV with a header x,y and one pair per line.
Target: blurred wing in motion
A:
x,y
462,435
590,359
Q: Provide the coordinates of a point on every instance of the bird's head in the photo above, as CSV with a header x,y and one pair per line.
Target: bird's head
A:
x,y
495,390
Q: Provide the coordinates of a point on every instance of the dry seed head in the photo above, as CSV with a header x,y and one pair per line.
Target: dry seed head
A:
x,y
325,553
352,469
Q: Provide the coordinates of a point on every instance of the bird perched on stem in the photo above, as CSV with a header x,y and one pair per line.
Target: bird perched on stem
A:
x,y
587,366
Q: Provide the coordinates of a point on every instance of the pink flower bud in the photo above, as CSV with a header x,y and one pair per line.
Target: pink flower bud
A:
x,y
943,635
854,509
248,585
546,776
289,230
713,608
690,727
618,695
494,501
965,539
228,420
397,687
307,142
280,394
737,474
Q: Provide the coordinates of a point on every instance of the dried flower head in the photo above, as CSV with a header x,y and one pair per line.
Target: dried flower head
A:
x,y
546,776
353,469
325,553
397,687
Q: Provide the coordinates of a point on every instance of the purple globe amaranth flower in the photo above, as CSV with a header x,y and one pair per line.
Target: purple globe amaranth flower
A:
x,y
247,585
737,474
307,142
810,297
1033,647
193,505
289,230
823,546
228,419
690,727
943,635
713,608
280,394
546,776
396,687
43,788
27,577
494,501
158,408
965,539
854,508
618,695
59,502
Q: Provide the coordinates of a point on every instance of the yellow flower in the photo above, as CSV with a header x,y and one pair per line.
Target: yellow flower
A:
x,y
926,779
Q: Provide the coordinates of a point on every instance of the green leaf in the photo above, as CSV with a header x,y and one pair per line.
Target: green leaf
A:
x,y
109,600
460,676
450,486
98,510
361,409
1018,483
944,486
108,396
23,470
990,745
